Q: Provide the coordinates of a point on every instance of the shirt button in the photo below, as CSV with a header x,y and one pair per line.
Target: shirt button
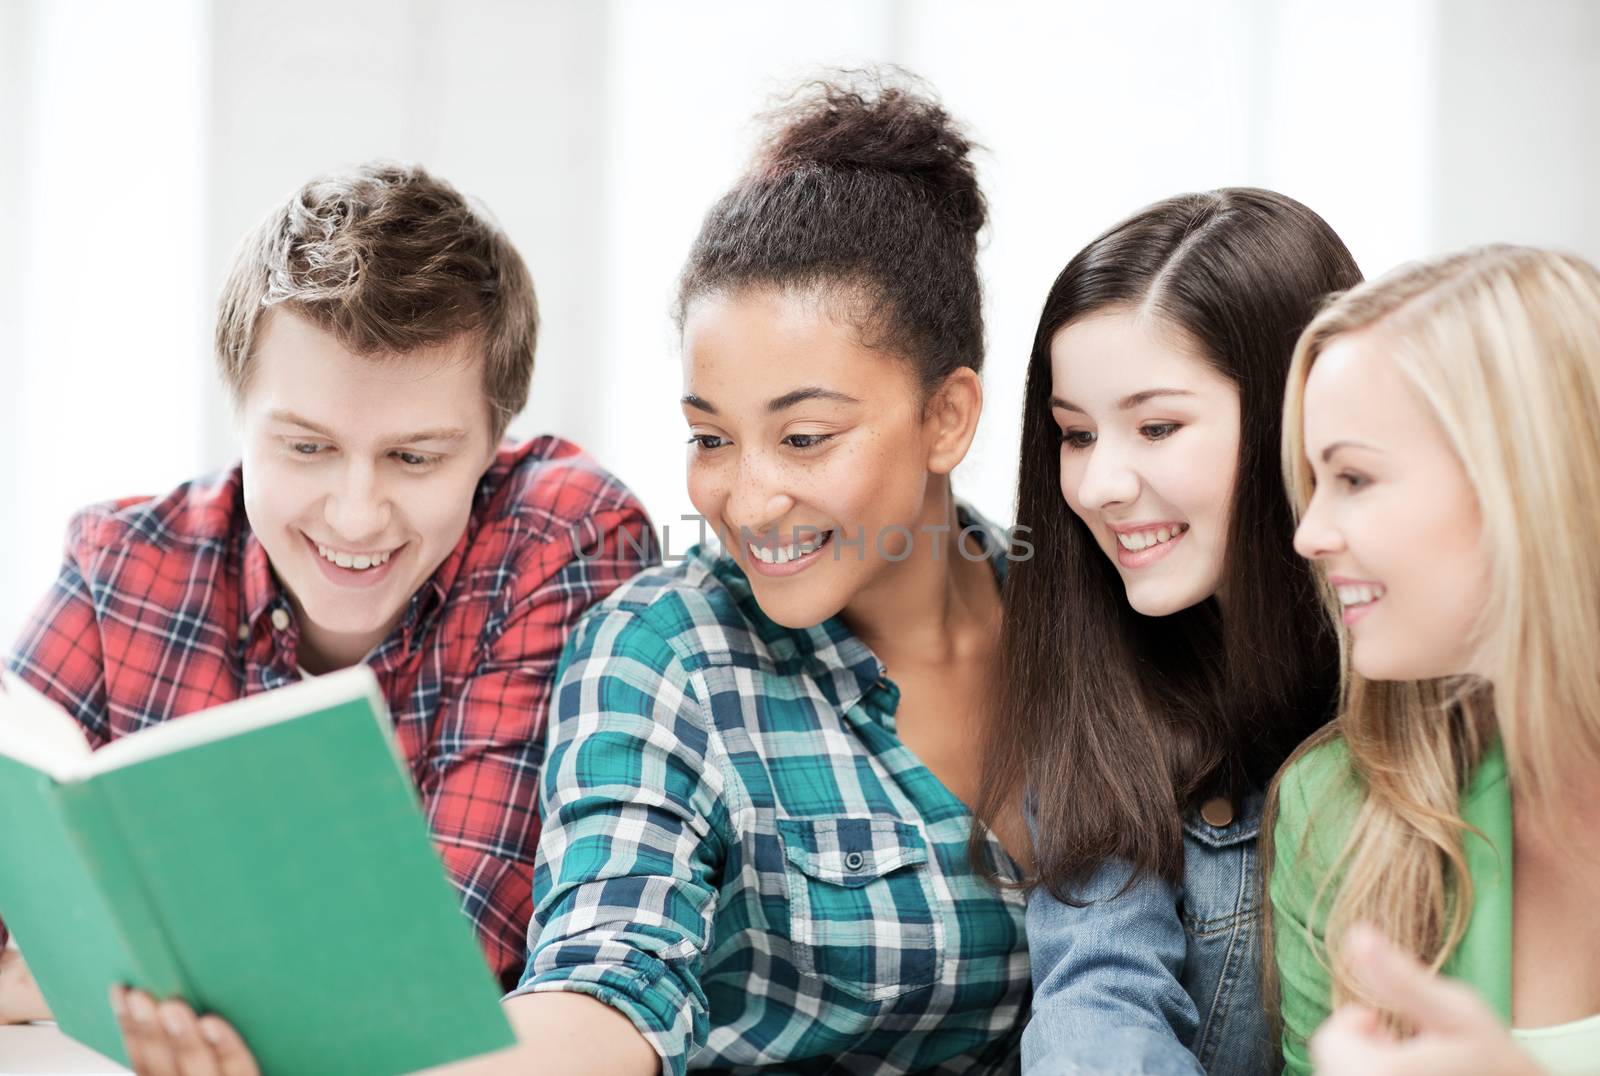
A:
x,y
854,861
280,619
1217,811
244,633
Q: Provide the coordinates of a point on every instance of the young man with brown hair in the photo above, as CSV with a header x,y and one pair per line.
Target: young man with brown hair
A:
x,y
376,334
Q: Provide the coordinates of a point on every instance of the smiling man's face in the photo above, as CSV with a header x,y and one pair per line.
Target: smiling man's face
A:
x,y
359,473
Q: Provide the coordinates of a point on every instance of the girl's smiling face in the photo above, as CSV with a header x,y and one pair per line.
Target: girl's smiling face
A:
x,y
1394,517
811,455
1149,453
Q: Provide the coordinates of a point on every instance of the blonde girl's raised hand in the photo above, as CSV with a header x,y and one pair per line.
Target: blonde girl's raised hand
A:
x,y
1456,1033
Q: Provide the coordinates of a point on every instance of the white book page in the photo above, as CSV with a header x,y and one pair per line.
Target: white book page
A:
x,y
37,732
43,1050
231,719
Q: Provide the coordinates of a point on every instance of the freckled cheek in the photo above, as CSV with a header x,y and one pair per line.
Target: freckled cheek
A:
x,y
708,490
863,484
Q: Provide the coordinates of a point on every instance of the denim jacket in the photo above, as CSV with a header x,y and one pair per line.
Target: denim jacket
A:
x,y
1157,980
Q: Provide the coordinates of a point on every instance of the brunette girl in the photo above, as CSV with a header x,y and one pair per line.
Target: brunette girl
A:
x,y
1162,651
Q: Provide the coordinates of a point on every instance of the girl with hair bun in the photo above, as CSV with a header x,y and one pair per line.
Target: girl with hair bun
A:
x,y
1440,443
755,798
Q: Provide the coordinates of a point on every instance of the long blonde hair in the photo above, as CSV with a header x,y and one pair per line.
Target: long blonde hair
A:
x,y
1502,346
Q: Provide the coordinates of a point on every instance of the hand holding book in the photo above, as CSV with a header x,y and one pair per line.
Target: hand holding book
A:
x,y
20,1000
168,1039
266,860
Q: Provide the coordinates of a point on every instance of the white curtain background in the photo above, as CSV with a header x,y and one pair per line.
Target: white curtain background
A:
x,y
137,142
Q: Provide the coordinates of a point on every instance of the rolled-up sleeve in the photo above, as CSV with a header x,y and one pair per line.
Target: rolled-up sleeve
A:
x,y
1108,995
635,834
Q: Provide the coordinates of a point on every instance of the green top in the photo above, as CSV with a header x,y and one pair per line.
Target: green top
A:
x,y
1322,784
1565,1049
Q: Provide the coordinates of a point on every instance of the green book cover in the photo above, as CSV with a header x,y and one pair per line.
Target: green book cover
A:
x,y
266,860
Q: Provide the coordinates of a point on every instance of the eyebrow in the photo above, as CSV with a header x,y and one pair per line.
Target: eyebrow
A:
x,y
438,433
781,403
1127,403
799,396
1328,452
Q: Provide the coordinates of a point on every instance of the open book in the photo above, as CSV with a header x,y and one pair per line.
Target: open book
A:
x,y
266,860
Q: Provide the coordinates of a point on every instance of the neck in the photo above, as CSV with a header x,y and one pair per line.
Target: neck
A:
x,y
927,603
1562,805
322,651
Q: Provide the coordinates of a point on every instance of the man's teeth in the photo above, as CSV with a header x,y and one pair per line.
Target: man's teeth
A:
x,y
787,553
1360,593
1145,539
358,561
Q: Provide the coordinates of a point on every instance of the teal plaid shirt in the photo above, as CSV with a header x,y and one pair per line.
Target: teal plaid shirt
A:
x,y
741,856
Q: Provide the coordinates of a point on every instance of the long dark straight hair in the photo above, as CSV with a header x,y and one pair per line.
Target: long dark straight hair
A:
x,y
1110,724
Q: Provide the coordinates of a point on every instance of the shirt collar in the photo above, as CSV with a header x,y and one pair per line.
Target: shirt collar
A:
x,y
262,594
429,599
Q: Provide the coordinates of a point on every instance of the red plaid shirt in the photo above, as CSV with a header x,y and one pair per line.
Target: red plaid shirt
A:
x,y
165,607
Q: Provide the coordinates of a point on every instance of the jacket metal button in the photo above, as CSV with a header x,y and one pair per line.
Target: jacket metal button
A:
x,y
1217,811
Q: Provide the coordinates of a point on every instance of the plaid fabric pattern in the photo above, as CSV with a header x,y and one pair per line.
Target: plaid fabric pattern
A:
x,y
165,607
741,856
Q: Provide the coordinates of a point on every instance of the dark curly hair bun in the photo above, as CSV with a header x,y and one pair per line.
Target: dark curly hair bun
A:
x,y
869,124
863,190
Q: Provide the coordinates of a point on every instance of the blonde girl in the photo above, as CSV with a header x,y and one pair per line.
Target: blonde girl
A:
x,y
1440,444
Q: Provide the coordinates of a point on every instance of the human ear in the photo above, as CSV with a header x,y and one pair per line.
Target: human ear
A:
x,y
950,419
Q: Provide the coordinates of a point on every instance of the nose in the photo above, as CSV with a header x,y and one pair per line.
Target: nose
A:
x,y
1316,536
1107,479
757,499
358,508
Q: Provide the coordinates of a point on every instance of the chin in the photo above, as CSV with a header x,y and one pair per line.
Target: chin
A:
x,y
1372,660
1390,665
1375,671
1164,604
796,610
340,620
795,615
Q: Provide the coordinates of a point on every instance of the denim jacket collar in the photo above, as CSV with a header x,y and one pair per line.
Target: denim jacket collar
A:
x,y
1246,824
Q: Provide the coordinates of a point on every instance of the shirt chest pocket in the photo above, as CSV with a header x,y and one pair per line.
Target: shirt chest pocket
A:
x,y
860,917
